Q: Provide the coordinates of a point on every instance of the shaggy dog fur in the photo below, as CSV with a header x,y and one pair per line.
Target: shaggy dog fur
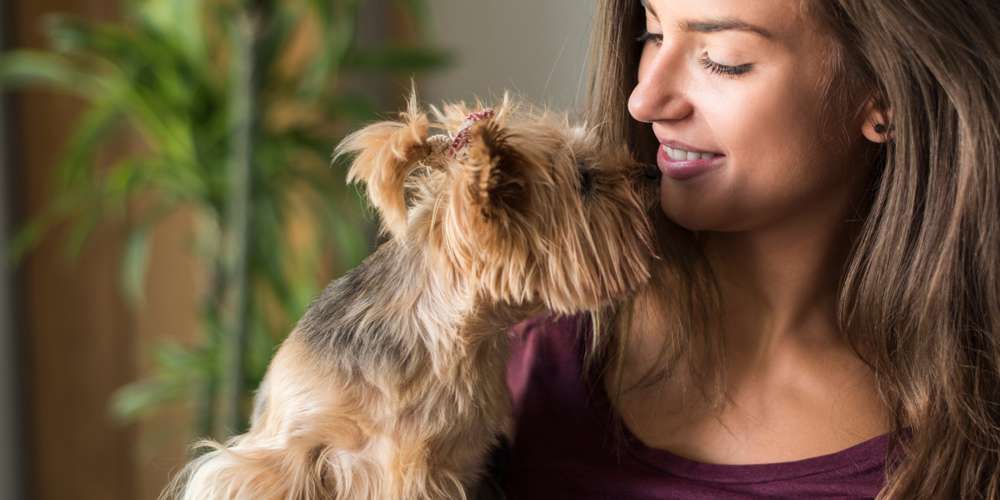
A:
x,y
392,385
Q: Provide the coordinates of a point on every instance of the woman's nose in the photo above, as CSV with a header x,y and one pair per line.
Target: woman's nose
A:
x,y
659,93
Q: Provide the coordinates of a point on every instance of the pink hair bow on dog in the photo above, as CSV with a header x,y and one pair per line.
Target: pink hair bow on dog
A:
x,y
461,138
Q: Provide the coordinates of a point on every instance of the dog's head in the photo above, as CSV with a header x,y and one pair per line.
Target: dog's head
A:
x,y
520,204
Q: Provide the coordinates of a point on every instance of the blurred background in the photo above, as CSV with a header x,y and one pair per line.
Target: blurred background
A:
x,y
169,208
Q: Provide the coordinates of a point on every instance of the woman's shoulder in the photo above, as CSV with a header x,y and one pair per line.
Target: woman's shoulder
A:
x,y
549,328
546,362
549,340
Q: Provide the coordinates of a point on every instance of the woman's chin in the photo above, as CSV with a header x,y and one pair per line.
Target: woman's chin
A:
x,y
692,219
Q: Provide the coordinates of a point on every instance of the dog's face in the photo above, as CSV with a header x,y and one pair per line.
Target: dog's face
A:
x,y
520,205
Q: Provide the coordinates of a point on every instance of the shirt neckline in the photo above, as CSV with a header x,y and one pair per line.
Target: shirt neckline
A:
x,y
868,453
863,455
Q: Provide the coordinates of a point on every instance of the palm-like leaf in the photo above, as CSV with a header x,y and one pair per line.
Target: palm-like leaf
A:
x,y
196,87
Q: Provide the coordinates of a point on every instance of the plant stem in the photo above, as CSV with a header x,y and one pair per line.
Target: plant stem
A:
x,y
211,309
204,407
244,91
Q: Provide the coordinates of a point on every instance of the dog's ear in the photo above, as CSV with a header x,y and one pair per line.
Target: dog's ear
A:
x,y
386,153
489,174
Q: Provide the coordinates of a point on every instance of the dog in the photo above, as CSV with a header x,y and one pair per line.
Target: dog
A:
x,y
392,385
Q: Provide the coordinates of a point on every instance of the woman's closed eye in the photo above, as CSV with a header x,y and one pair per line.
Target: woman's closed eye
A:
x,y
706,62
722,69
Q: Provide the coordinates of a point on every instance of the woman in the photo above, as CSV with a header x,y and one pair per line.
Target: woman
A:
x,y
827,319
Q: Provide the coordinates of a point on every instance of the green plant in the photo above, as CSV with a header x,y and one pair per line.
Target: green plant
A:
x,y
233,129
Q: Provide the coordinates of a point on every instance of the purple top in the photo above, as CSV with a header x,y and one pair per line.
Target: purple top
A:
x,y
565,446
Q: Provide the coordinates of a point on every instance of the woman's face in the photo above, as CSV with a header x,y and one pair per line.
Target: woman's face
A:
x,y
742,81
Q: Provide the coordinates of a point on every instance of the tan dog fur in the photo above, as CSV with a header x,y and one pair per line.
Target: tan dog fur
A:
x,y
392,385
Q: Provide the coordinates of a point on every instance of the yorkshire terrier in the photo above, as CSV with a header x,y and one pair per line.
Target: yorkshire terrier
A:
x,y
392,385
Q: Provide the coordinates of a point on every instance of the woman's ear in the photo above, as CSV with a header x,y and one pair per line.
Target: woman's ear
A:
x,y
877,124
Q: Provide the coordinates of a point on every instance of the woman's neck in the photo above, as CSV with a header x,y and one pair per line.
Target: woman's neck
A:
x,y
779,285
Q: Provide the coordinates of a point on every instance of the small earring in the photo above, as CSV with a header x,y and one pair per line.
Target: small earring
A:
x,y
880,128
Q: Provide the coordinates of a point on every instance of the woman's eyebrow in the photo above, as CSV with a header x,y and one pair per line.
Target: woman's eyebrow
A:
x,y
714,25
724,24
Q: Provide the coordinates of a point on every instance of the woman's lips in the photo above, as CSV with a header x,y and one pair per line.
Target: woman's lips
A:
x,y
685,169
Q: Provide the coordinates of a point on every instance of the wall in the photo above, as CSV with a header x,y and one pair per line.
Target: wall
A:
x,y
76,335
10,402
537,48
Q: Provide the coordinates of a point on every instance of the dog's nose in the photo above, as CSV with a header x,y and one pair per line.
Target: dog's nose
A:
x,y
652,172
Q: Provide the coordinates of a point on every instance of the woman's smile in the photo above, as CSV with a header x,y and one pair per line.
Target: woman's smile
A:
x,y
681,164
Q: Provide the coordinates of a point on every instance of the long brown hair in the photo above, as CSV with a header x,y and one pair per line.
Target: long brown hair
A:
x,y
919,296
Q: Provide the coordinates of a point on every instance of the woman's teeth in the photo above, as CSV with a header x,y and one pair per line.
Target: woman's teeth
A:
x,y
682,155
